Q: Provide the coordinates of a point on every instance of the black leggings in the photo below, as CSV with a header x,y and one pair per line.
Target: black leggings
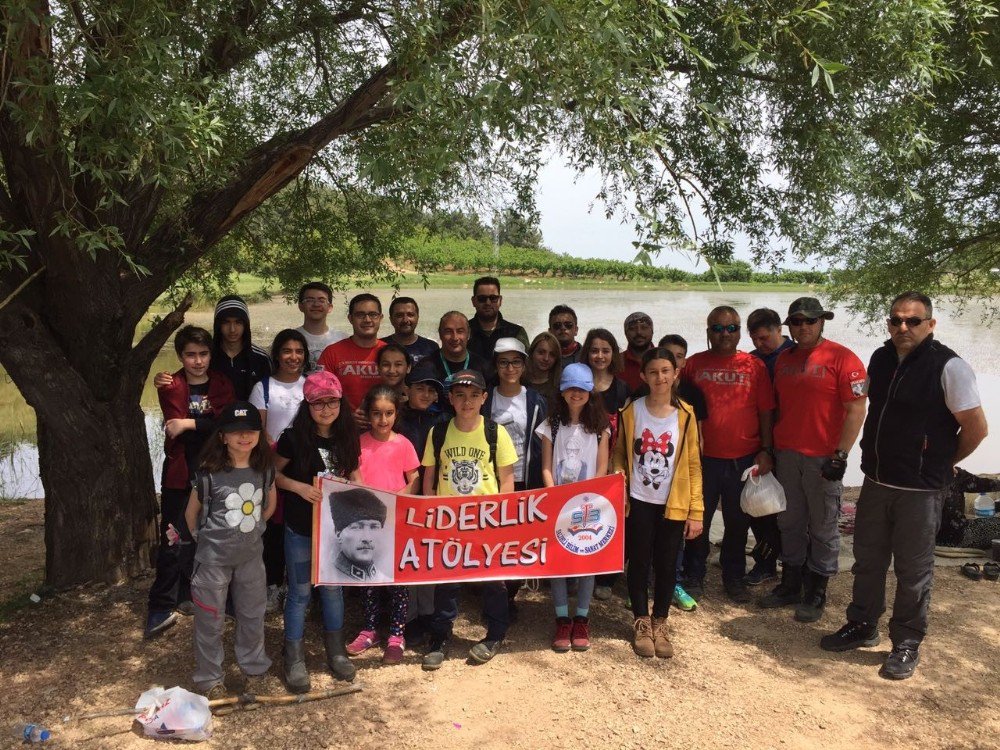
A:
x,y
651,540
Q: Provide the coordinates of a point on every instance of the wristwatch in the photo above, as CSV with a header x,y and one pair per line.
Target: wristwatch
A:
x,y
768,450
842,455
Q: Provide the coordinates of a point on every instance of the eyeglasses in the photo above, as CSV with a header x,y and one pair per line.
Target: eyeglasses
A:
x,y
315,301
719,328
482,299
913,322
510,364
325,405
567,326
803,321
367,315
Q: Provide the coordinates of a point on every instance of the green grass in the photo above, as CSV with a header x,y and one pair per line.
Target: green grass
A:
x,y
444,280
251,286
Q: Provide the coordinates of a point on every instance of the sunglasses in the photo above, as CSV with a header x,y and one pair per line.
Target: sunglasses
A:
x,y
913,322
719,328
484,298
562,326
803,321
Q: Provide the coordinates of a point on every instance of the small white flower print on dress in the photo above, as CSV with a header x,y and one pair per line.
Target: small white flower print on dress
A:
x,y
244,507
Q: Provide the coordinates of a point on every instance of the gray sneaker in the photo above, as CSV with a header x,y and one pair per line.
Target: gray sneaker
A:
x,y
483,651
602,593
435,655
273,598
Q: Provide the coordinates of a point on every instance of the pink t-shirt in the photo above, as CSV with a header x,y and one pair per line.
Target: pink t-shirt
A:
x,y
384,463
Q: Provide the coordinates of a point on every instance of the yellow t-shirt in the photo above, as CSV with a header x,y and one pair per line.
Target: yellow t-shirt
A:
x,y
465,460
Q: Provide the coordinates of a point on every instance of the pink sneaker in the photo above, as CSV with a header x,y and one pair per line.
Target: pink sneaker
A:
x,y
394,650
365,640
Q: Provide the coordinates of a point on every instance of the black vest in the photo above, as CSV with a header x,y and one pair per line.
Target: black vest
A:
x,y
910,437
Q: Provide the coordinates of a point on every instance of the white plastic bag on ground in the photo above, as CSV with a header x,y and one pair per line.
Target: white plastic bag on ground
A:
x,y
174,713
762,493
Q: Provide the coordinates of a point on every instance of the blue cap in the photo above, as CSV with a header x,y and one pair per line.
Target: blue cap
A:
x,y
577,375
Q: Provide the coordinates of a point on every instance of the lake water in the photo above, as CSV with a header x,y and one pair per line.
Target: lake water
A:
x,y
680,312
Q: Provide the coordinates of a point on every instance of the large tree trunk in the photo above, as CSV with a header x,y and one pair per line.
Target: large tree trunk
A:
x,y
100,506
99,501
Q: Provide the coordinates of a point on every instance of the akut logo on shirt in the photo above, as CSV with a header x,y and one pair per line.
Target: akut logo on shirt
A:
x,y
723,377
805,371
365,369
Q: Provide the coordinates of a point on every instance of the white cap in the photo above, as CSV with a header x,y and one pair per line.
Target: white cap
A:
x,y
509,345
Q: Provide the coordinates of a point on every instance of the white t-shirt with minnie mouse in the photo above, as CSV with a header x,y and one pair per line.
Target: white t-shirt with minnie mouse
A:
x,y
654,454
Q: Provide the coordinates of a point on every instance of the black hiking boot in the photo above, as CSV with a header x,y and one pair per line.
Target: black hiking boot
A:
x,y
788,592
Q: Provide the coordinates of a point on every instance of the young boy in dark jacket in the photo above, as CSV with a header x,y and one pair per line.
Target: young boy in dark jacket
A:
x,y
190,402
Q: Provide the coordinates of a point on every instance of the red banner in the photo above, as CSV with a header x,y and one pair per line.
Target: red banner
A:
x,y
363,536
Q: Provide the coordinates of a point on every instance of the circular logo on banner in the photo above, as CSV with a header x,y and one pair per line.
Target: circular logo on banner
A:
x,y
586,524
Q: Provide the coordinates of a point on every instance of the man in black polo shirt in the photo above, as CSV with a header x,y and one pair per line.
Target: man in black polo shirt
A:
x,y
404,315
488,325
924,416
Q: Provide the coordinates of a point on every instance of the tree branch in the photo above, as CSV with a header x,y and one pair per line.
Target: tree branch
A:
x,y
227,50
144,352
176,245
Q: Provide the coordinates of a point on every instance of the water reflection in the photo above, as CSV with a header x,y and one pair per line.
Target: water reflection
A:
x,y
673,312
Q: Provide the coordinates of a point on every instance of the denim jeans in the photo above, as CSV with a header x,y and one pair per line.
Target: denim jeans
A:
x,y
298,564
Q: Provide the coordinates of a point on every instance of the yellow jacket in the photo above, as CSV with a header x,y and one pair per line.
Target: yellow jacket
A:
x,y
685,500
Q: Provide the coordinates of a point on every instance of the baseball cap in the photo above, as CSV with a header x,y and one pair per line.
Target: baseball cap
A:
x,y
320,385
424,374
510,344
577,375
239,416
808,307
469,377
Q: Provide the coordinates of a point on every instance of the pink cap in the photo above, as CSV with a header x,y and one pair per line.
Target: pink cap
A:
x,y
320,385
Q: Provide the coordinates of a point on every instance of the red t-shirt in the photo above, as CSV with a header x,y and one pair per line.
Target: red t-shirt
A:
x,y
737,388
633,366
356,366
814,384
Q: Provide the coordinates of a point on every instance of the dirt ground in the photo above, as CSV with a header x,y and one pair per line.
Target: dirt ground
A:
x,y
742,677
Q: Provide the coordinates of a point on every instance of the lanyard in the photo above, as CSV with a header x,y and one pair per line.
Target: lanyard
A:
x,y
447,369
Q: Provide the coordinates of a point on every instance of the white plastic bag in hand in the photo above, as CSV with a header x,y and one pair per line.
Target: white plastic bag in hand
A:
x,y
175,713
762,493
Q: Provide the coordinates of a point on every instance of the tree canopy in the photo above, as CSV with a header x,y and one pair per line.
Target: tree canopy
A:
x,y
141,141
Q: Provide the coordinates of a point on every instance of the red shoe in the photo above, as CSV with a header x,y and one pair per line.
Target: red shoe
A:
x,y
580,637
394,650
561,641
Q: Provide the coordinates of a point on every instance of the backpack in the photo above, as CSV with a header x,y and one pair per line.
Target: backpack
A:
x,y
440,431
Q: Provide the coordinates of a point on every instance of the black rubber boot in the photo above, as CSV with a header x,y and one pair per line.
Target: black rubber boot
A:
x,y
336,656
814,598
788,592
295,672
